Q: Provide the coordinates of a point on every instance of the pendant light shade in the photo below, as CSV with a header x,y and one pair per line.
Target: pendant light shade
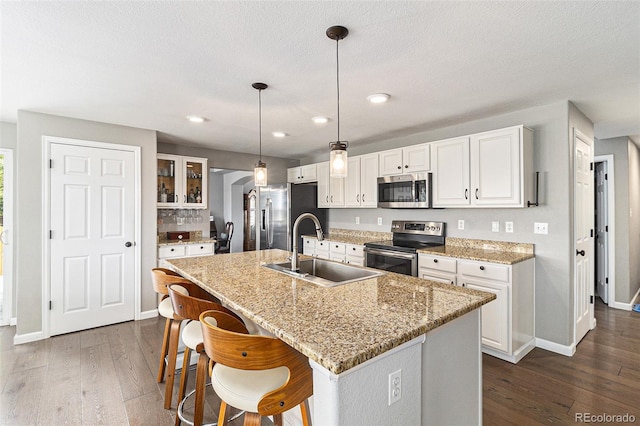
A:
x,y
338,155
260,171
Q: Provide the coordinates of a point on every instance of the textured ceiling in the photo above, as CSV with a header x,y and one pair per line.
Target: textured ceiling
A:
x,y
149,64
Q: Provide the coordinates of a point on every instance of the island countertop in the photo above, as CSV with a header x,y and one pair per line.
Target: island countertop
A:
x,y
338,327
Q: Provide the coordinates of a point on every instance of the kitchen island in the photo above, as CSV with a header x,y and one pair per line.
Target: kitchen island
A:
x,y
359,334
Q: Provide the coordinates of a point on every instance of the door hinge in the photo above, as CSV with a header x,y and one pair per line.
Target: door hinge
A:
x,y
50,234
591,166
591,299
606,280
50,163
592,233
606,228
606,176
50,304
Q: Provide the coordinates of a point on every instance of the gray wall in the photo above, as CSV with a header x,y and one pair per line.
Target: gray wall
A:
x,y
9,140
277,167
31,127
216,199
553,251
626,163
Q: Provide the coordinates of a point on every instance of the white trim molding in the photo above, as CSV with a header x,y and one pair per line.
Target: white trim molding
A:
x,y
153,313
556,347
19,339
611,235
626,306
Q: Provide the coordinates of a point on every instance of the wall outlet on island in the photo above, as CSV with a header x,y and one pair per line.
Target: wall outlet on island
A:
x,y
395,386
357,220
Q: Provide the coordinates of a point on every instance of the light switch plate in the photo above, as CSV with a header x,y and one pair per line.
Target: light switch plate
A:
x,y
461,224
540,228
495,226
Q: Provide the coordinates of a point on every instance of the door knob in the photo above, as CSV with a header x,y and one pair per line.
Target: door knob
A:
x,y
580,252
128,244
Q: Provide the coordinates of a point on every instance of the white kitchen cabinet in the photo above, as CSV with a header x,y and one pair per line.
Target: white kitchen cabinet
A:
x,y
308,246
410,159
508,328
354,254
450,184
330,190
490,169
302,174
322,249
361,183
182,181
185,250
437,268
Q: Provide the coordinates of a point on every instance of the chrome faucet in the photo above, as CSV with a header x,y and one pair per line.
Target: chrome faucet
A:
x,y
319,233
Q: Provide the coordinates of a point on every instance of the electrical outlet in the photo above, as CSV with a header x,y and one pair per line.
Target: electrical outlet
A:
x,y
495,226
460,224
379,221
508,227
540,228
210,218
357,220
395,386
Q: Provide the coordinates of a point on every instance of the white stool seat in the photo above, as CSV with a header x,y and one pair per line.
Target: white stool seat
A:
x,y
165,308
192,335
243,389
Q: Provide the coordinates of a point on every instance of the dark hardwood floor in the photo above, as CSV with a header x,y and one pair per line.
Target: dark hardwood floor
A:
x,y
107,376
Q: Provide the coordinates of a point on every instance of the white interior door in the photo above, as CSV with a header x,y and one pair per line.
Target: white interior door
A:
x,y
602,240
583,223
6,236
92,229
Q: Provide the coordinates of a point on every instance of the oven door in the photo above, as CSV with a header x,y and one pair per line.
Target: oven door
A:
x,y
392,261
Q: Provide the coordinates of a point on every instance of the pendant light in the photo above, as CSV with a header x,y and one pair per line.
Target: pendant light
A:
x,y
338,155
260,172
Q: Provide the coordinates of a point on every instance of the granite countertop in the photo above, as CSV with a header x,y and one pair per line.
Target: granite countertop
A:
x,y
483,250
349,236
338,327
182,242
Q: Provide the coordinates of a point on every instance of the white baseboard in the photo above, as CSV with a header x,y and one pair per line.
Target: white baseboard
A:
x,y
19,339
148,314
625,306
555,347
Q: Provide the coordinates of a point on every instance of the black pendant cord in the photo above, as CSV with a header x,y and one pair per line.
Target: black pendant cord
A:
x,y
338,84
260,121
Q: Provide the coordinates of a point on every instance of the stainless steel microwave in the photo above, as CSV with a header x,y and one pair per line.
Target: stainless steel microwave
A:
x,y
411,191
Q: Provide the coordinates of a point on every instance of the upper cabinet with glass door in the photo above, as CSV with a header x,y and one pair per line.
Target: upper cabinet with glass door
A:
x,y
182,182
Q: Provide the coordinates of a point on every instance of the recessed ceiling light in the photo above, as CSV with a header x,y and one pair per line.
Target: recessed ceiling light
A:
x,y
320,120
195,119
378,98
279,134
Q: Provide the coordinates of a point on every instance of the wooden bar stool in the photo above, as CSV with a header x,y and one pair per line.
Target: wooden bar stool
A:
x,y
258,374
189,301
162,277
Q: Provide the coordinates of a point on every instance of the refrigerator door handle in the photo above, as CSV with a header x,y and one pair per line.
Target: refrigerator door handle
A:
x,y
263,220
268,223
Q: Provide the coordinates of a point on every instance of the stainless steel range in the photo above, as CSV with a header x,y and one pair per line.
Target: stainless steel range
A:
x,y
400,255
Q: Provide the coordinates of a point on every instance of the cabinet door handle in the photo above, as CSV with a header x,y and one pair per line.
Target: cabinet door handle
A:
x,y
464,284
363,198
435,260
481,268
399,168
406,166
476,193
175,198
358,198
466,193
327,198
332,198
201,247
185,198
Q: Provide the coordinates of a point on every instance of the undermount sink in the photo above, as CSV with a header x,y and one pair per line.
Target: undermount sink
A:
x,y
325,273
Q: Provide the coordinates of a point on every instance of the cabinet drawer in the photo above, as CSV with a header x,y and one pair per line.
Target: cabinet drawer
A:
x,y
308,243
354,260
337,248
171,251
322,246
485,270
439,263
338,257
429,274
199,249
354,250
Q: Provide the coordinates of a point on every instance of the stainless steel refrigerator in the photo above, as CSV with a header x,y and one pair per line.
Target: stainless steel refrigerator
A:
x,y
279,206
